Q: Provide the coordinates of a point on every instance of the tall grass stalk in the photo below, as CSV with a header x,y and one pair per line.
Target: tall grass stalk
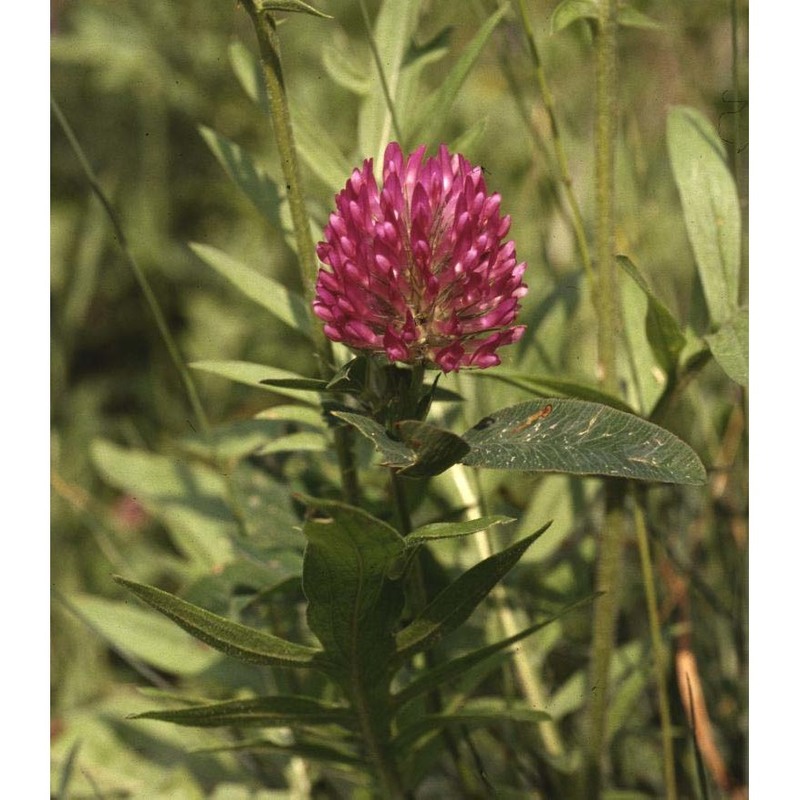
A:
x,y
659,653
269,49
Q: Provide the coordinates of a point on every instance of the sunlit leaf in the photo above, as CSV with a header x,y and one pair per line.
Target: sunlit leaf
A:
x,y
581,438
254,374
290,5
270,294
710,207
255,184
730,346
447,530
395,453
664,334
145,635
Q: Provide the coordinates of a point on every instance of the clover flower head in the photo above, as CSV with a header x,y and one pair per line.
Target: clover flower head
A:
x,y
417,269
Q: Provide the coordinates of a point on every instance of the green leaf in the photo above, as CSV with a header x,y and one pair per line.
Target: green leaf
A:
x,y
570,11
664,334
471,716
248,70
543,385
730,347
290,5
238,439
448,672
395,453
314,752
433,113
189,498
319,150
265,712
435,449
288,306
393,28
447,530
344,66
306,384
231,638
581,439
145,635
306,441
710,207
255,184
454,604
253,374
353,605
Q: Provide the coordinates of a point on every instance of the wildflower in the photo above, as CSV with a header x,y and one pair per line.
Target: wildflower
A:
x,y
418,269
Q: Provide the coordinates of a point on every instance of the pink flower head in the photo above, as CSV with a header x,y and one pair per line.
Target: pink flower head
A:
x,y
418,269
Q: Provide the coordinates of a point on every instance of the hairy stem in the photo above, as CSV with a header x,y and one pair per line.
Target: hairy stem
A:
x,y
606,306
268,44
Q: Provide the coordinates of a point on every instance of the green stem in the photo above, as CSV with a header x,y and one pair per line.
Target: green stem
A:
x,y
139,275
269,48
558,146
606,305
659,654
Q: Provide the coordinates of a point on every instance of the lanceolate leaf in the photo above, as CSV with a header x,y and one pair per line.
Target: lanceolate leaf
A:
x,y
353,605
664,335
231,638
433,113
730,347
314,752
569,11
259,188
478,717
581,439
544,385
454,604
290,5
446,530
254,374
450,671
710,207
270,294
265,712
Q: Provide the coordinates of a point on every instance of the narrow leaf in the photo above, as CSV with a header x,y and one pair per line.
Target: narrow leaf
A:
x,y
228,637
344,66
477,717
395,453
448,672
255,184
710,207
248,70
447,530
432,115
314,752
290,5
253,374
288,306
664,334
544,385
320,151
730,347
265,712
570,11
453,605
145,635
581,439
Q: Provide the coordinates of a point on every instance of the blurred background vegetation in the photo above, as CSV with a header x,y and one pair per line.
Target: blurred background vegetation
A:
x,y
137,80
